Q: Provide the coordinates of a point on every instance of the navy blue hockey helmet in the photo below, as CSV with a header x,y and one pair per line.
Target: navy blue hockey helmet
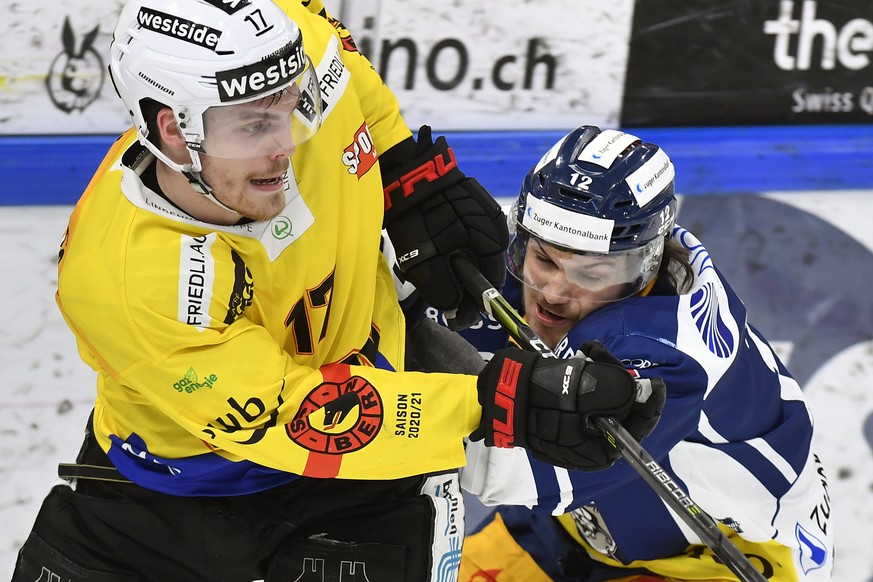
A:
x,y
605,199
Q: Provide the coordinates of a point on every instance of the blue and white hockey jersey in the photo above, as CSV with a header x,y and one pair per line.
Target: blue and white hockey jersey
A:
x,y
735,433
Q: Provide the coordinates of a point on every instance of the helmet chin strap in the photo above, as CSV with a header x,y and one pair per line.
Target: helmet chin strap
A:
x,y
194,178
197,182
203,188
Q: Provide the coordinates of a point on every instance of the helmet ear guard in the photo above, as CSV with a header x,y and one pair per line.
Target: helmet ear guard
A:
x,y
601,204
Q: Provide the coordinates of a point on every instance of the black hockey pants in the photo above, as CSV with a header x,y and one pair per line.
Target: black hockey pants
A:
x,y
311,529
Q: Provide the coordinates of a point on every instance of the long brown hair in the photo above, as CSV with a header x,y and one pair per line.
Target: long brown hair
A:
x,y
675,268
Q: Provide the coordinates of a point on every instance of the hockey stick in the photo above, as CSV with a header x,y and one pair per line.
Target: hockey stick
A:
x,y
637,457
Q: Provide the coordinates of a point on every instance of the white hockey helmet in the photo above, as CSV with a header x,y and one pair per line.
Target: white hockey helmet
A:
x,y
208,59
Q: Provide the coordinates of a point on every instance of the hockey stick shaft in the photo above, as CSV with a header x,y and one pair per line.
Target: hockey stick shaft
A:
x,y
637,457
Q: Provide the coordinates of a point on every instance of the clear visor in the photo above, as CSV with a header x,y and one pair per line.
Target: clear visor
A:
x,y
577,275
274,124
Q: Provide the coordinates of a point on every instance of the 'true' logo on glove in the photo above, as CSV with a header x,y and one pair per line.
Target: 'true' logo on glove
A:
x,y
431,170
504,397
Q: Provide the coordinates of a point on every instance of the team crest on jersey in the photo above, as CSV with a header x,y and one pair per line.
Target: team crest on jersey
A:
x,y
337,418
360,155
813,552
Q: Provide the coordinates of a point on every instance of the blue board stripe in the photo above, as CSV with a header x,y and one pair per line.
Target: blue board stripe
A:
x,y
42,170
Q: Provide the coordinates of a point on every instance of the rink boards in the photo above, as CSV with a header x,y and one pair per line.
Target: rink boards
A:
x,y
709,160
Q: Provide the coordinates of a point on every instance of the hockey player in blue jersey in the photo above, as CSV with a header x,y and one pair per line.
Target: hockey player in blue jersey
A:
x,y
597,261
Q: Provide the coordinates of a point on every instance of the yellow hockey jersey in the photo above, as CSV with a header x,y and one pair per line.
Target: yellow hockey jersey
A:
x,y
233,359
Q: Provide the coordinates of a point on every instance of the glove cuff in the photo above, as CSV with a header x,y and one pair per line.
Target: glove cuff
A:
x,y
503,390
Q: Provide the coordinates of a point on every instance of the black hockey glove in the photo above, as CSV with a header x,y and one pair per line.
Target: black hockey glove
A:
x,y
545,405
434,212
651,396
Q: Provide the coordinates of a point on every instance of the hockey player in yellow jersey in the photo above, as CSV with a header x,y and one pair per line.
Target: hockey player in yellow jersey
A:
x,y
223,275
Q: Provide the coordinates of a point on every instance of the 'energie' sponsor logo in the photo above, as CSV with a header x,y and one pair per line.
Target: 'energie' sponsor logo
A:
x,y
191,382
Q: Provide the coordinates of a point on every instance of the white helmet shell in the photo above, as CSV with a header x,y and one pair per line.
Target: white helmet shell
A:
x,y
191,55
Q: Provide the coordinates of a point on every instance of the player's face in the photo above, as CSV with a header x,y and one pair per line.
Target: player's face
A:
x,y
254,188
561,288
247,151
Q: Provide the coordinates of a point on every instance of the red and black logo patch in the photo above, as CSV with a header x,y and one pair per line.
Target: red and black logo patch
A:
x,y
337,418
